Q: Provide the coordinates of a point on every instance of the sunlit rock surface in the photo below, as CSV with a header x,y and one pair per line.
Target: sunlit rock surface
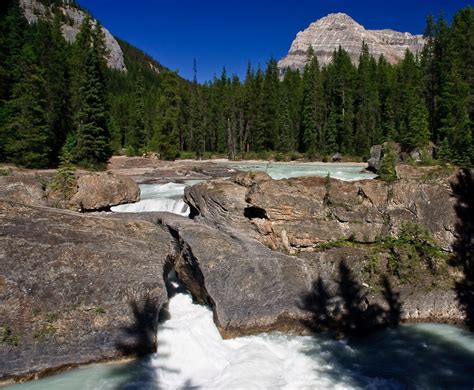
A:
x,y
34,10
334,30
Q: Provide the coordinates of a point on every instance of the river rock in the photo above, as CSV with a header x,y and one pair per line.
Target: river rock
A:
x,y
76,289
103,190
25,189
302,213
249,287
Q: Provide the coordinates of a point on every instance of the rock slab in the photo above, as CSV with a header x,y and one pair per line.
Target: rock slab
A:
x,y
75,289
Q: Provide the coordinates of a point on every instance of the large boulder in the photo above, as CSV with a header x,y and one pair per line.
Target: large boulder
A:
x,y
25,189
76,289
103,190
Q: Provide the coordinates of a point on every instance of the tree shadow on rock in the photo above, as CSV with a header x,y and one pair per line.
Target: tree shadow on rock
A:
x,y
463,190
346,309
139,338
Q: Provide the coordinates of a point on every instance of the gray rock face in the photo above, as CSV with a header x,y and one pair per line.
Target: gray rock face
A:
x,y
26,189
250,288
334,30
71,284
34,10
101,191
302,213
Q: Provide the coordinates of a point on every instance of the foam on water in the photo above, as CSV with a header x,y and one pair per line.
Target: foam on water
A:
x,y
159,197
287,170
192,354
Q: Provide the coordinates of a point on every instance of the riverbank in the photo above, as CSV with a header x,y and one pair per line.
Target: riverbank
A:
x,y
255,252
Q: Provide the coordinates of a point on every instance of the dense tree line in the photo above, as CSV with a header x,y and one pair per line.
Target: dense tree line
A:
x,y
56,96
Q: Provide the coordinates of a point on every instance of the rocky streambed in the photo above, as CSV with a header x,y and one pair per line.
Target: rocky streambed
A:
x,y
297,255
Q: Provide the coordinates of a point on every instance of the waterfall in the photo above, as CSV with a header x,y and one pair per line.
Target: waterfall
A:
x,y
159,197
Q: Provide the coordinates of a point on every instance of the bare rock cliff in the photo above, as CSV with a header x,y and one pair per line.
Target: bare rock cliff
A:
x,y
334,30
34,10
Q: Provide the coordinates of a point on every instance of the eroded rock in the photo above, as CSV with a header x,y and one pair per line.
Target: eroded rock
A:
x,y
71,285
103,190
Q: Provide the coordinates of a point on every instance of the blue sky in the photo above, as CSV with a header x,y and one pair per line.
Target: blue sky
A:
x,y
232,33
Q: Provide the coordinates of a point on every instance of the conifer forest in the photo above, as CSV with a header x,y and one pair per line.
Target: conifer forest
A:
x,y
58,98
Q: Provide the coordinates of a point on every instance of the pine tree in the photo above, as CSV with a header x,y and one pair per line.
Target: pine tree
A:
x,y
313,109
165,139
456,127
136,131
331,133
92,135
367,118
292,88
271,105
26,134
340,75
414,126
284,142
51,48
64,183
387,171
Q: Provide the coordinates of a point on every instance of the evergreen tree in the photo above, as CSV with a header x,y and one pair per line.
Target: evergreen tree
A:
x,y
367,118
64,183
26,134
165,139
284,142
51,48
136,131
313,109
271,105
387,171
292,88
92,134
340,75
456,127
414,130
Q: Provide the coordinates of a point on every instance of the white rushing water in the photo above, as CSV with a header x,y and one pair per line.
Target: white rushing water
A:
x,y
192,355
159,197
279,171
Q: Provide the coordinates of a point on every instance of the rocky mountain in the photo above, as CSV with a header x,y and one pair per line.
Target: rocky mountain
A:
x,y
34,10
339,29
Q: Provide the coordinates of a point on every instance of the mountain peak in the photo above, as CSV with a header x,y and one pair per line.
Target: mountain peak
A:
x,y
339,17
339,29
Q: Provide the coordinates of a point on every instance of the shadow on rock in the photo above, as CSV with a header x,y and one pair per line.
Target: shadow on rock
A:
x,y
346,309
140,340
463,190
140,336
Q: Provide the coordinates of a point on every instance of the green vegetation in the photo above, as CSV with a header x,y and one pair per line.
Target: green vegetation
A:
x,y
413,250
64,182
410,254
387,171
8,337
46,332
51,90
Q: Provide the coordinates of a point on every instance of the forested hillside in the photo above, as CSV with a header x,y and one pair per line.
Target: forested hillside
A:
x,y
57,96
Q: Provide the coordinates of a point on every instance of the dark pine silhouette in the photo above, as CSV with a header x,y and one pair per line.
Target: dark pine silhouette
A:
x,y
346,310
140,337
463,190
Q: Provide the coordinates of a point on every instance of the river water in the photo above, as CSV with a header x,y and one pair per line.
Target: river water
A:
x,y
192,355
287,170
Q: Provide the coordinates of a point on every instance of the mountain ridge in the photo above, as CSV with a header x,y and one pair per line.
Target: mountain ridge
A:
x,y
339,29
